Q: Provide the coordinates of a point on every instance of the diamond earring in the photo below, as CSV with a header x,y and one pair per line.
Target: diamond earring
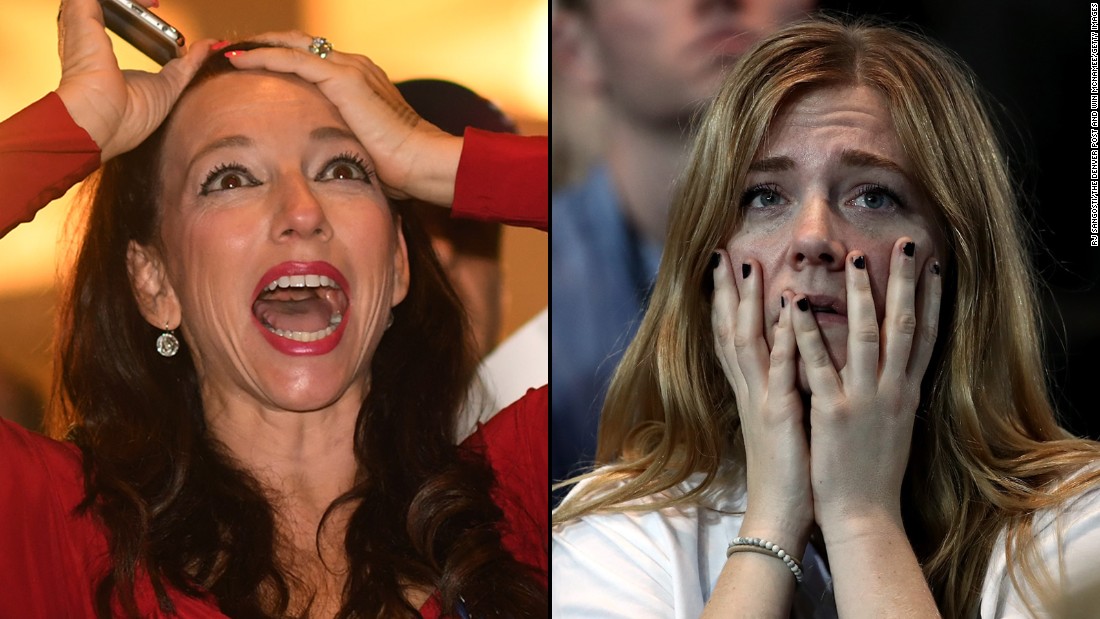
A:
x,y
167,344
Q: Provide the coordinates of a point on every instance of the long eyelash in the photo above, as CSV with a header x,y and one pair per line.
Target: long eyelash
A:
x,y
357,160
756,190
218,169
883,189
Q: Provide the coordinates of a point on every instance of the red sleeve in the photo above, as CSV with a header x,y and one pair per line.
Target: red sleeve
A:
x,y
46,552
515,442
43,153
503,177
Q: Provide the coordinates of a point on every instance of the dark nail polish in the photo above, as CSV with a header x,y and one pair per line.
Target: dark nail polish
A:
x,y
859,262
935,268
714,260
745,270
782,301
803,304
909,248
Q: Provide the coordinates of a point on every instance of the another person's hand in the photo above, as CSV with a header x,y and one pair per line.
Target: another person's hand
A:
x,y
411,156
780,502
118,109
862,416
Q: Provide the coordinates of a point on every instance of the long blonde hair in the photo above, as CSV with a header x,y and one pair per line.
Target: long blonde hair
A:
x,y
987,451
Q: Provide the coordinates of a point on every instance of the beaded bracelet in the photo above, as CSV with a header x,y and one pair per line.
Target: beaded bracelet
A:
x,y
755,543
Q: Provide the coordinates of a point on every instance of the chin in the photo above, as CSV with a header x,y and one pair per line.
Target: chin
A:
x,y
307,392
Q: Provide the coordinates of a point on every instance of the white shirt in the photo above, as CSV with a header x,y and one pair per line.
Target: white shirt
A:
x,y
664,564
504,376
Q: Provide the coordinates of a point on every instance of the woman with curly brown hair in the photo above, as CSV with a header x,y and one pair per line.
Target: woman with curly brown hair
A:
x,y
261,360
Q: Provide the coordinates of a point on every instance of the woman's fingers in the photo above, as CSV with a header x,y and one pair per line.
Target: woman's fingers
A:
x,y
863,331
823,378
900,322
723,316
929,294
783,368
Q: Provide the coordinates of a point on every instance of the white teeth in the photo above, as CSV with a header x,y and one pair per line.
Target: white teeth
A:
x,y
302,281
309,336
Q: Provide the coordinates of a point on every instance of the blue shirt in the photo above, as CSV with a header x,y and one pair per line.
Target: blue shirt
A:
x,y
601,273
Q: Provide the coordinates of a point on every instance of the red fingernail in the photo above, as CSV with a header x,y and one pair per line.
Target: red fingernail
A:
x,y
156,4
232,54
219,45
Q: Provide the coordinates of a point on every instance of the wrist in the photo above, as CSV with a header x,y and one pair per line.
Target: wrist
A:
x,y
83,114
861,526
792,537
433,166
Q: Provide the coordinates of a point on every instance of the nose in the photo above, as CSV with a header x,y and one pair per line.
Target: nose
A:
x,y
815,242
300,214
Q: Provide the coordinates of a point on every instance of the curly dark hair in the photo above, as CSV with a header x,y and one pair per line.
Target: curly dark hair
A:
x,y
177,506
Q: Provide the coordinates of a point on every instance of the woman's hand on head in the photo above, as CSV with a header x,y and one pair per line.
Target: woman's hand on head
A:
x,y
862,416
780,503
411,156
118,109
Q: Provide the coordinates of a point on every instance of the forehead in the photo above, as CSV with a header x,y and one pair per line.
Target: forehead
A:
x,y
249,102
840,116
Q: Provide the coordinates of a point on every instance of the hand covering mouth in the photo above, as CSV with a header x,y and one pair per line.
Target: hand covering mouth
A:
x,y
302,307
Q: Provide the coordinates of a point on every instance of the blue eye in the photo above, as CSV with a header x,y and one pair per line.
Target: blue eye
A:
x,y
348,166
762,196
227,176
877,197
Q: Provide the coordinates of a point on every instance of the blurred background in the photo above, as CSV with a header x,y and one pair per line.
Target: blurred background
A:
x,y
498,48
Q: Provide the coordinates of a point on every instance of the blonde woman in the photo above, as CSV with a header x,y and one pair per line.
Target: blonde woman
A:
x,y
835,404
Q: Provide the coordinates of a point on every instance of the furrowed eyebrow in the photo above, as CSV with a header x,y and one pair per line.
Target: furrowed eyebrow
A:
x,y
772,164
863,159
849,157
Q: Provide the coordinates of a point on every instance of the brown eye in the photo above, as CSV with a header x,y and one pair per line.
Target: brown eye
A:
x,y
230,181
347,167
228,176
343,171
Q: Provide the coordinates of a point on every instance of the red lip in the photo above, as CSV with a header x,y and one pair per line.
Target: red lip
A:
x,y
292,347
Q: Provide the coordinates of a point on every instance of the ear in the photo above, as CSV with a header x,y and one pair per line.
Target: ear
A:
x,y
576,56
153,292
400,267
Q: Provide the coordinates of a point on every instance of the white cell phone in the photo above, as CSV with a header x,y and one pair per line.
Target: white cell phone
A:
x,y
138,26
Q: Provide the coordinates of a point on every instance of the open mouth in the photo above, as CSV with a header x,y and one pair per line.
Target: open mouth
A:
x,y
304,306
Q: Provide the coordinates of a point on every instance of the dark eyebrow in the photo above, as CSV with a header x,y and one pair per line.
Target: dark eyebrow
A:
x,y
864,159
230,141
332,133
772,164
